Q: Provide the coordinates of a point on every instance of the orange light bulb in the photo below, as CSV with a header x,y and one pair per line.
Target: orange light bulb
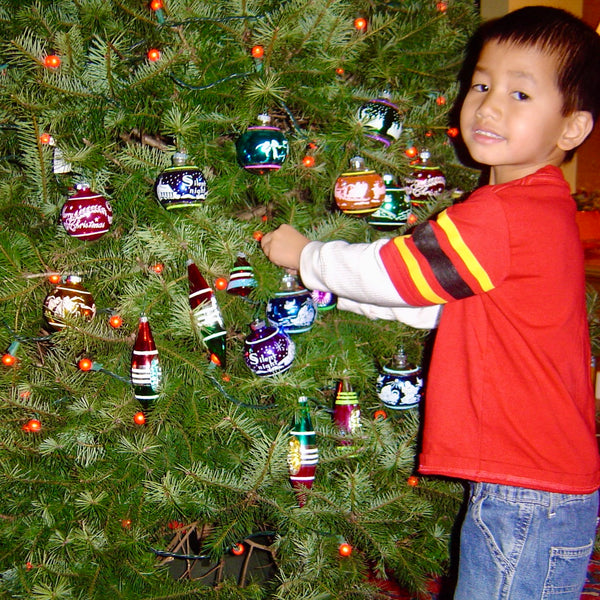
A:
x,y
452,132
413,481
8,359
154,54
257,51
156,4
52,61
55,278
308,161
411,152
345,549
139,418
115,321
238,549
221,283
85,364
45,138
257,235
158,268
360,23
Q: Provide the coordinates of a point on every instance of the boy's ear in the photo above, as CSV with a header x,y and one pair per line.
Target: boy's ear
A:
x,y
578,126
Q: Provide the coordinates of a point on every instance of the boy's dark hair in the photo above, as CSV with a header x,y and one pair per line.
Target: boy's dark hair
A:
x,y
574,44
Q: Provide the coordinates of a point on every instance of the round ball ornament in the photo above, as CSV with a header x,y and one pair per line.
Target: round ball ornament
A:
x,y
425,181
268,350
86,215
324,301
381,120
359,191
293,308
399,384
262,148
395,209
181,185
68,300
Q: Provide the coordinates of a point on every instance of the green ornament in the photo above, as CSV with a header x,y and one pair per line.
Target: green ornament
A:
x,y
262,149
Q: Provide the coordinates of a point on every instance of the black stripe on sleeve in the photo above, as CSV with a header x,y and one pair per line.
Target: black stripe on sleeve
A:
x,y
443,269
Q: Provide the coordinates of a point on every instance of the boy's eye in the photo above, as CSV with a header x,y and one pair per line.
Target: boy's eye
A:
x,y
520,96
480,87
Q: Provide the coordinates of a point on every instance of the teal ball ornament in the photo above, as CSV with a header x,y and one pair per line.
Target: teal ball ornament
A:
x,y
381,120
396,208
182,185
262,149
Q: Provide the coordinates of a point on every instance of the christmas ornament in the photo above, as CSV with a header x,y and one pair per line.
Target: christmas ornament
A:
x,y
324,300
263,148
146,375
293,307
359,191
395,209
207,315
303,454
241,278
86,215
346,412
68,300
268,350
182,185
399,384
425,181
381,120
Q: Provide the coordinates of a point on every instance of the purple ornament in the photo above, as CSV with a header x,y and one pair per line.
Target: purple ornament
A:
x,y
324,300
268,350
86,215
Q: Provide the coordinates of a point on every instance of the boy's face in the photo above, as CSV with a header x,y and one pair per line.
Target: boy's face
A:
x,y
512,118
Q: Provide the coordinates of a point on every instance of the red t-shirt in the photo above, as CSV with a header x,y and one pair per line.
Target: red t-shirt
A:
x,y
509,397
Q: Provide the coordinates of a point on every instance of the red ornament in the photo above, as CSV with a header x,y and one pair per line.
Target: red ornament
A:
x,y
360,23
413,481
32,425
156,4
86,215
146,373
153,54
45,138
139,418
238,549
345,549
221,283
8,359
257,51
52,61
115,321
411,152
308,161
85,364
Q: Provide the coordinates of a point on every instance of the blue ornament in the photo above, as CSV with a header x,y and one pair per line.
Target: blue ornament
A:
x,y
262,149
181,185
293,307
399,385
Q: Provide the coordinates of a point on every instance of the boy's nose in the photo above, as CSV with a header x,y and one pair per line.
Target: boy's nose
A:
x,y
489,107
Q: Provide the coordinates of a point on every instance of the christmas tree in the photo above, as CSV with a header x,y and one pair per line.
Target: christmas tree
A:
x,y
148,432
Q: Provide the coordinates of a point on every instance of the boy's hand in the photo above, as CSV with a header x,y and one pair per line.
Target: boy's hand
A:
x,y
284,246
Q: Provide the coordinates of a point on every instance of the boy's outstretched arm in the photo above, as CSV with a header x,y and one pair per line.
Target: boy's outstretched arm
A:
x,y
284,246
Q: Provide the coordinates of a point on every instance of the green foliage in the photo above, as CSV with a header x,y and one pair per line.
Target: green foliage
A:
x,y
88,498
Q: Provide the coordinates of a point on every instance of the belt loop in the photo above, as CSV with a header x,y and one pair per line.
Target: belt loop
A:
x,y
552,504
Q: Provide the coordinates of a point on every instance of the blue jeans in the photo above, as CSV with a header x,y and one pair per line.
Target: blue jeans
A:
x,y
522,544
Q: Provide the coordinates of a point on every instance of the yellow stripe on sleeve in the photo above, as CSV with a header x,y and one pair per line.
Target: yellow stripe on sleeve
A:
x,y
416,273
464,252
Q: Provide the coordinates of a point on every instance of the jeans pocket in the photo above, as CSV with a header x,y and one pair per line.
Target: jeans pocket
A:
x,y
563,567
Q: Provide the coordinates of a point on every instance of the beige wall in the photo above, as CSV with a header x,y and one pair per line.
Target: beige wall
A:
x,y
583,172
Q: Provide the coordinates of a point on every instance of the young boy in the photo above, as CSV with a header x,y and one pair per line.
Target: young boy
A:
x,y
509,404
